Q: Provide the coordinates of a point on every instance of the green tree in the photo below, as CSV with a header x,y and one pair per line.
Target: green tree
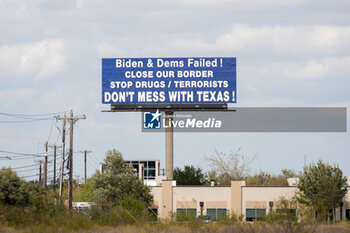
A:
x,y
322,187
15,191
118,181
266,179
260,179
189,175
229,167
85,192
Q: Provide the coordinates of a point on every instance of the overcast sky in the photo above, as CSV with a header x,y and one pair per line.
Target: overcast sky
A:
x,y
289,53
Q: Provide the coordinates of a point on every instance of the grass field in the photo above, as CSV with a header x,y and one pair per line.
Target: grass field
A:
x,y
181,228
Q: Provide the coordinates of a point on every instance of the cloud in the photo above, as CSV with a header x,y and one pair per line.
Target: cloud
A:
x,y
80,3
16,98
107,49
240,4
18,94
42,58
293,40
321,68
18,9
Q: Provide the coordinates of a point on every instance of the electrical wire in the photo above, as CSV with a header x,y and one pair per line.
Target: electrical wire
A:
x,y
32,115
16,158
48,138
14,168
28,170
25,121
20,153
22,177
28,117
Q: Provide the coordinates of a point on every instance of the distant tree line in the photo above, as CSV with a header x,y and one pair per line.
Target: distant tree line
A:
x,y
228,167
321,186
120,196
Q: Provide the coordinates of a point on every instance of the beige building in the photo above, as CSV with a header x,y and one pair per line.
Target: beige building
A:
x,y
215,201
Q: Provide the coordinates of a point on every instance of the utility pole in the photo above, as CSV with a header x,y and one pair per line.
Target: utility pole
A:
x,y
44,184
62,161
85,152
72,120
54,167
45,166
40,169
40,174
54,163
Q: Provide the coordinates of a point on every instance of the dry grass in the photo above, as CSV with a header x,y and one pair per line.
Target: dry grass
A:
x,y
185,228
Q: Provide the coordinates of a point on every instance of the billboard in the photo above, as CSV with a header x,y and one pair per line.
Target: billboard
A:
x,y
168,80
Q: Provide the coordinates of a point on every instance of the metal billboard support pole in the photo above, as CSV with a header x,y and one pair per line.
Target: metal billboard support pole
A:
x,y
169,145
169,111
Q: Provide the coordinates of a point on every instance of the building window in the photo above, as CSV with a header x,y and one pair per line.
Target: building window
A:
x,y
216,214
254,214
152,164
183,214
149,168
347,214
153,214
152,173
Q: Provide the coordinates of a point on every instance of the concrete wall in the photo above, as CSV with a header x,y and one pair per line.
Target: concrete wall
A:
x,y
346,204
259,197
190,197
236,199
168,198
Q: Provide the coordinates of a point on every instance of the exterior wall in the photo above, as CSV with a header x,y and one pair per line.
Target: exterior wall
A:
x,y
167,199
190,197
236,196
346,204
236,199
259,197
157,197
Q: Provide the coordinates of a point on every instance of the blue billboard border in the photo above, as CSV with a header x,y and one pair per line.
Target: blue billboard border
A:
x,y
177,103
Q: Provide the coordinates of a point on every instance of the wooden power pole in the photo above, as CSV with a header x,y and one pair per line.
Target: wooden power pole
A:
x,y
72,120
85,153
45,165
54,167
40,170
54,163
40,162
63,158
44,183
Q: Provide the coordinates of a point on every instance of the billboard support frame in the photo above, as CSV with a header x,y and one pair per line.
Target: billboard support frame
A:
x,y
169,131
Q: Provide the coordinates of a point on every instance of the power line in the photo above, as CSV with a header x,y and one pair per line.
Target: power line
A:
x,y
20,153
22,177
92,166
28,170
28,117
24,166
31,115
53,120
25,121
94,157
21,157
72,120
16,158
91,141
14,137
